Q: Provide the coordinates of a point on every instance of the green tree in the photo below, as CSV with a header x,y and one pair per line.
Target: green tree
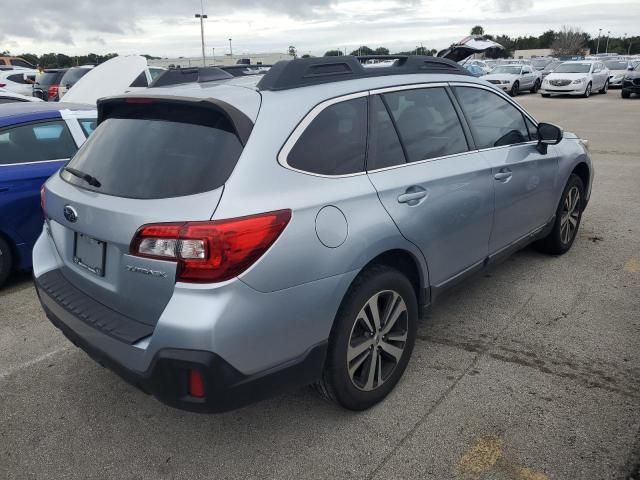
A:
x,y
292,51
363,50
477,30
381,51
547,39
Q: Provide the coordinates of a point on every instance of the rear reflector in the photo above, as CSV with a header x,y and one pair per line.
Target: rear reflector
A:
x,y
196,383
209,252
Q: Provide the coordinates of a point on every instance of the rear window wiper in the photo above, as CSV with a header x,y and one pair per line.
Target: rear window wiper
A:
x,y
91,180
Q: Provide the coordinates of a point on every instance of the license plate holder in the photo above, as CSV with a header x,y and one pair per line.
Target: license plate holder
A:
x,y
89,254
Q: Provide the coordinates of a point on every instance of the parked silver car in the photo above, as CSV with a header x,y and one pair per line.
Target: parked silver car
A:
x,y
216,243
515,78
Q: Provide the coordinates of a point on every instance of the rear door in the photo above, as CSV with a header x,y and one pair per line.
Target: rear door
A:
x,y
152,163
523,178
29,154
437,190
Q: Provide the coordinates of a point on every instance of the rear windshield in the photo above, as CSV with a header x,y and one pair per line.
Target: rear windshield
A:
x,y
151,159
73,75
50,78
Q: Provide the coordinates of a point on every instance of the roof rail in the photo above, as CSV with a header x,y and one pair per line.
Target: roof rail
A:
x,y
305,72
176,76
243,70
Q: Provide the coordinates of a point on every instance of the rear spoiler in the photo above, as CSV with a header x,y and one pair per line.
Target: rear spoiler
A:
x,y
183,109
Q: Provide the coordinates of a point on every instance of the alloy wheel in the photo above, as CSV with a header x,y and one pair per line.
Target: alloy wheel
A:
x,y
587,92
570,216
377,341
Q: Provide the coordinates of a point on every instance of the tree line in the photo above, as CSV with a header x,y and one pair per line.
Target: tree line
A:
x,y
60,60
566,41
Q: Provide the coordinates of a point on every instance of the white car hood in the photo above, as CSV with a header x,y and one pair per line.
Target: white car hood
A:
x,y
501,76
566,76
110,78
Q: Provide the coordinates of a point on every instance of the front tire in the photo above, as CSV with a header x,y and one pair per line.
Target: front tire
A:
x,y
587,91
6,261
567,221
605,87
536,87
371,340
515,89
625,93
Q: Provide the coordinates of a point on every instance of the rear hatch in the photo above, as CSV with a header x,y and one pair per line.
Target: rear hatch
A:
x,y
149,161
468,46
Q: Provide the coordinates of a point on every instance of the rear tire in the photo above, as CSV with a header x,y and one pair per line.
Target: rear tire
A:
x,y
365,358
567,221
515,89
545,95
625,93
6,261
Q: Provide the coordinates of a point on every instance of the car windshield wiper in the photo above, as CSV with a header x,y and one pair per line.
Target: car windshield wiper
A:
x,y
93,181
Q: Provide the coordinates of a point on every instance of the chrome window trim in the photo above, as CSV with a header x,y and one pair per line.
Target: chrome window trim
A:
x,y
414,86
33,163
283,156
421,162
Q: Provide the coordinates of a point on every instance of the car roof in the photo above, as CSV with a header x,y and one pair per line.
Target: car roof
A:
x,y
13,113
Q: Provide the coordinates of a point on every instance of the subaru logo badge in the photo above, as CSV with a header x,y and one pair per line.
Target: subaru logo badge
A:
x,y
70,214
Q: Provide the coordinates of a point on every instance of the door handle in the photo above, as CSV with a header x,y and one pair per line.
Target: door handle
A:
x,y
503,176
412,196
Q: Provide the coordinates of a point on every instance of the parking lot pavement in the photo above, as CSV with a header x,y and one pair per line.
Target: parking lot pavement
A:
x,y
529,372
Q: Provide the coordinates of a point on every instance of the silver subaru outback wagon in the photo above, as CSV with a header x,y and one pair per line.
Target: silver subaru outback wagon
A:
x,y
218,242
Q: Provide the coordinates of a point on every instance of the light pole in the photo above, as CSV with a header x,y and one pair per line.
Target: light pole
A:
x,y
607,48
598,47
214,56
231,48
202,17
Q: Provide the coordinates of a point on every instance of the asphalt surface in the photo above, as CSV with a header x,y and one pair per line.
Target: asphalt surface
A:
x,y
529,372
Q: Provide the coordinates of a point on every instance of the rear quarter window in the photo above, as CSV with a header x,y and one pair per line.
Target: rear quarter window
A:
x,y
335,141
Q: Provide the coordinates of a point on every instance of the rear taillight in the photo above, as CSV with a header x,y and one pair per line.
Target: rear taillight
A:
x,y
214,251
53,91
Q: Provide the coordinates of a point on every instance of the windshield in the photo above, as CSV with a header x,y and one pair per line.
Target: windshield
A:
x,y
552,66
573,68
617,65
539,63
514,70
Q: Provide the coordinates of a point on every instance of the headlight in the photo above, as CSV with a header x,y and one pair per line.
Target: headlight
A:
x,y
580,80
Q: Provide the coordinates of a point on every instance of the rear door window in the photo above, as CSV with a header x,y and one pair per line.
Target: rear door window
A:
x,y
148,158
335,141
493,120
36,142
427,122
17,78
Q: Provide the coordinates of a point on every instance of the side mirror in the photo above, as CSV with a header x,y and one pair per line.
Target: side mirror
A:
x,y
548,134
630,67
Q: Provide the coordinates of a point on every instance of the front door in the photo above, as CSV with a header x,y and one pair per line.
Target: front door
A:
x,y
439,194
523,178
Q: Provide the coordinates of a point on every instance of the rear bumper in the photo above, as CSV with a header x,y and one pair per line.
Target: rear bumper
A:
x,y
166,377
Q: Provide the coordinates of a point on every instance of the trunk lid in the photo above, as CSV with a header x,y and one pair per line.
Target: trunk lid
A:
x,y
153,160
468,46
113,77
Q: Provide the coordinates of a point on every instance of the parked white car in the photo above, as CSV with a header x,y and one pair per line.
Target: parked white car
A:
x,y
617,71
10,97
515,78
16,80
577,78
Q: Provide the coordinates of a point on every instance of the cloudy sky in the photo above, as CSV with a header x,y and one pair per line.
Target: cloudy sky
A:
x,y
168,27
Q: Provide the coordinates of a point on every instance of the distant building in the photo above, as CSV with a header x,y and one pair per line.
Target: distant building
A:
x,y
254,58
536,52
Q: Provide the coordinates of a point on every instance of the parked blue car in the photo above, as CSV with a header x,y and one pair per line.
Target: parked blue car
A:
x,y
36,140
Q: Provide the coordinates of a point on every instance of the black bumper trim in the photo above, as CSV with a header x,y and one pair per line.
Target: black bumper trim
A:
x,y
226,388
90,311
